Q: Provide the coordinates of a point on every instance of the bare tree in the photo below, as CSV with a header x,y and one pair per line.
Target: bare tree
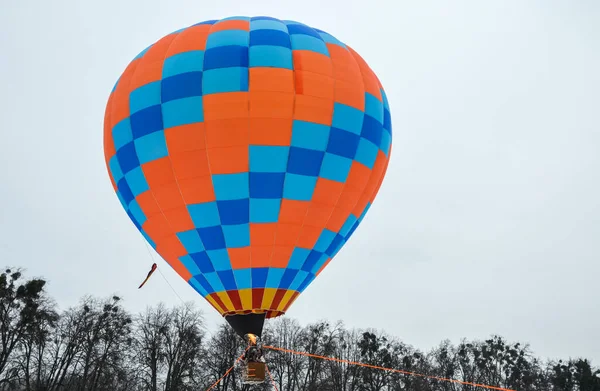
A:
x,y
104,336
222,351
151,329
95,346
24,310
286,368
183,346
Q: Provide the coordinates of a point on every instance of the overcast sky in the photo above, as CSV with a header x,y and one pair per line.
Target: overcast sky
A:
x,y
488,220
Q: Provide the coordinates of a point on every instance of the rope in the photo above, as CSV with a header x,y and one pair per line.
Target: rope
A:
x,y
161,273
173,289
272,379
228,371
388,369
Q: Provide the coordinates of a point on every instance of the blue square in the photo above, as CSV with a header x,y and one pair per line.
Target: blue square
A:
x,y
146,121
287,278
319,264
298,257
181,86
299,187
227,279
227,39
386,104
306,282
347,118
266,24
236,17
212,238
348,225
137,212
274,277
243,278
268,158
203,262
226,57
343,143
236,236
264,210
304,161
190,265
151,147
311,260
309,135
204,215
122,201
231,186
230,79
372,130
335,245
298,280
335,168
307,42
234,212
259,277
144,97
356,224
324,240
185,62
203,282
183,111
121,133
297,28
137,181
128,159
198,287
374,107
125,192
387,120
215,281
366,153
328,38
133,219
264,18
266,184
115,169
271,56
191,241
386,142
270,38
219,259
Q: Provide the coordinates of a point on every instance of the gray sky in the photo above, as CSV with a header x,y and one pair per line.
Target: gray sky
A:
x,y
488,220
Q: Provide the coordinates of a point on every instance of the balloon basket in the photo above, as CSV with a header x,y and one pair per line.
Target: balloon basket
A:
x,y
254,373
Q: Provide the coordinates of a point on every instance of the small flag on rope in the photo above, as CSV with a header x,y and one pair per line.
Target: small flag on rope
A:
x,y
149,274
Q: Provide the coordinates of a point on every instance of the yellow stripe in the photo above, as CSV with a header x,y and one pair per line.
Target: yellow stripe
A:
x,y
286,298
214,303
291,302
246,297
268,297
226,300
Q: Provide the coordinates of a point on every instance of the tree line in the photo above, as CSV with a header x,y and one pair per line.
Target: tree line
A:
x,y
99,346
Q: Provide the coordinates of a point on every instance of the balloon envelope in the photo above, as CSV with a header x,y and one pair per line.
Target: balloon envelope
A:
x,y
247,151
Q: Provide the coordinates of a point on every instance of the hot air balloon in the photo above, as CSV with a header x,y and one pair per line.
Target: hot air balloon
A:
x,y
247,151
